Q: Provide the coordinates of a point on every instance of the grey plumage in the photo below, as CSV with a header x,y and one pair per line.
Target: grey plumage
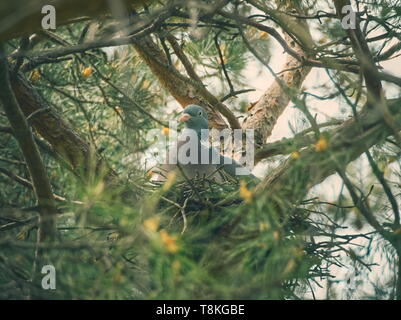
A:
x,y
200,163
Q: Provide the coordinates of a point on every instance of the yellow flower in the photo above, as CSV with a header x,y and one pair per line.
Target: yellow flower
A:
x,y
175,269
244,192
176,266
321,145
34,76
250,106
225,60
21,235
118,277
123,222
289,267
113,236
149,174
295,155
151,224
165,131
86,73
386,172
263,226
397,231
177,64
168,241
98,189
263,245
299,252
392,159
263,35
145,84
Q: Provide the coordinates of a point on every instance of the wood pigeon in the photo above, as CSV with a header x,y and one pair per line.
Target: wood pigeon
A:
x,y
192,155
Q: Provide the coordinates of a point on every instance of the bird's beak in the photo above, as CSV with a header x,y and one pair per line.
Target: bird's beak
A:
x,y
184,117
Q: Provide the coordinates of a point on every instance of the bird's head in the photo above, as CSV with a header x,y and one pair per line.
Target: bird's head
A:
x,y
194,117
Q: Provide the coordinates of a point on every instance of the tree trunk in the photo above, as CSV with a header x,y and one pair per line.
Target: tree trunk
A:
x,y
24,137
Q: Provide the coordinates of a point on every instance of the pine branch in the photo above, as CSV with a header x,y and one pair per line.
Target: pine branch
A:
x,y
27,14
263,116
184,90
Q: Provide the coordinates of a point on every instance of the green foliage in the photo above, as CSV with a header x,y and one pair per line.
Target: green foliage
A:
x,y
190,239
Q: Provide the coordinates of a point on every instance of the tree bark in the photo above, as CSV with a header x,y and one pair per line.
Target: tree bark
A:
x,y
76,152
185,91
263,116
33,160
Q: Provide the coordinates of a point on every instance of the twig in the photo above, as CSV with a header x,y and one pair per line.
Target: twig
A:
x,y
184,217
223,65
235,93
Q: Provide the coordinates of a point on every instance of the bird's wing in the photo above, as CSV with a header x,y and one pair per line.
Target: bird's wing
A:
x,y
233,168
191,170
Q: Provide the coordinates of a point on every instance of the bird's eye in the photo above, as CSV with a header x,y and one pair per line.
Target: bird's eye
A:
x,y
200,113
